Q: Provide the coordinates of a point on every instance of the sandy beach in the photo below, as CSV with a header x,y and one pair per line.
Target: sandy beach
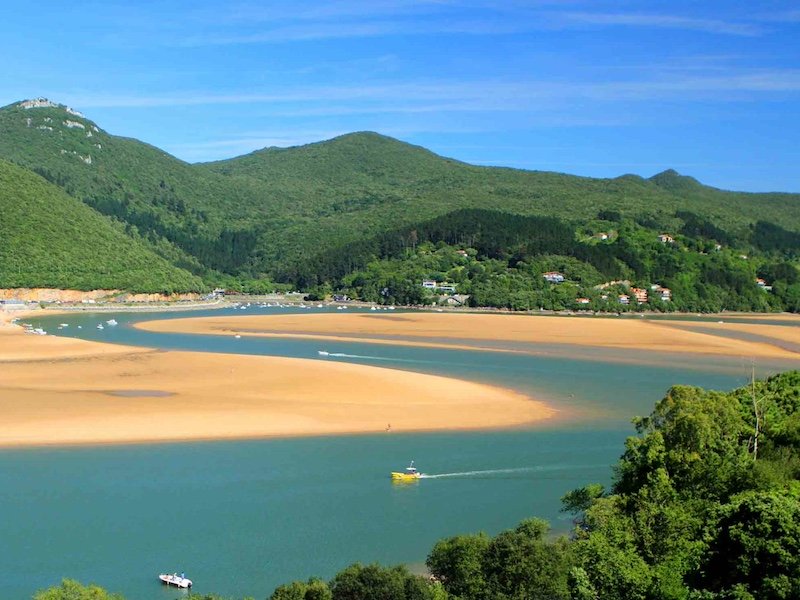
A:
x,y
66,391
468,330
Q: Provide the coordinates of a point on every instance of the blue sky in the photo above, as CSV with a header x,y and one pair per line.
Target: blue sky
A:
x,y
596,88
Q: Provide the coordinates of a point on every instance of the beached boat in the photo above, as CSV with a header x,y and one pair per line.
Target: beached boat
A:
x,y
410,474
176,580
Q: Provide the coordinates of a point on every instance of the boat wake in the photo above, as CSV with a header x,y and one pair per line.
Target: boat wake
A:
x,y
481,473
491,472
365,357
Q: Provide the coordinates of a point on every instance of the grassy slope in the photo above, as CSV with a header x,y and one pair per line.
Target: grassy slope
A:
x,y
132,180
50,239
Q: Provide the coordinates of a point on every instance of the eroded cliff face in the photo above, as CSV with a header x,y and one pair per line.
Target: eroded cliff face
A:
x,y
90,297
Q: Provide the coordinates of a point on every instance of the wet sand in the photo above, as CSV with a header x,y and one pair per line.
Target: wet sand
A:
x,y
67,391
476,331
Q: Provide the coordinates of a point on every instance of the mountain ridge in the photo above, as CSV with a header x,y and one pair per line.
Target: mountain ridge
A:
x,y
258,214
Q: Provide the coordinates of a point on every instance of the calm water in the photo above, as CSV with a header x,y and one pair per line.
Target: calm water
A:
x,y
243,517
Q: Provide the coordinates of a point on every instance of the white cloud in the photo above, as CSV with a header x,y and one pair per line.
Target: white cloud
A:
x,y
660,21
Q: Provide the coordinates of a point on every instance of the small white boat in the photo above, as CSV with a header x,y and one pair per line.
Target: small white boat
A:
x,y
111,322
100,326
176,580
64,325
323,352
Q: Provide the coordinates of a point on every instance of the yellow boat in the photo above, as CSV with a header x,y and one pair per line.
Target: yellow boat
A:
x,y
410,474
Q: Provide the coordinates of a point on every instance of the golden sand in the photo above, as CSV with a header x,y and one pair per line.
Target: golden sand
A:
x,y
65,391
469,330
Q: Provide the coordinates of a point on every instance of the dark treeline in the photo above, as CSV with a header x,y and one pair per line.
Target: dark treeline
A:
x,y
493,234
704,265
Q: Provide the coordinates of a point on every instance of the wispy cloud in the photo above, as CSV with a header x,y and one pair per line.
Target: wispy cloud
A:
x,y
498,95
660,21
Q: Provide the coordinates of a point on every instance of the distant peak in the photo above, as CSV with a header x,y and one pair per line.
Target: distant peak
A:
x,y
46,103
671,179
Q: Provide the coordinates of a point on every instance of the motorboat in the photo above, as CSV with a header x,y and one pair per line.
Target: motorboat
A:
x,y
176,580
111,322
323,352
409,474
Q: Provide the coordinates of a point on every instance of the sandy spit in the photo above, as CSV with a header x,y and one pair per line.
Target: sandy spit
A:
x,y
465,330
64,391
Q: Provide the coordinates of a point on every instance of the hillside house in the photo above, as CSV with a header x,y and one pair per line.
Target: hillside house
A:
x,y
583,301
601,236
446,287
761,283
462,253
624,299
640,294
664,294
553,277
666,239
429,284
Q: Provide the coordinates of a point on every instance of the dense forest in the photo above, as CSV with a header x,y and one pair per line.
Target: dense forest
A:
x,y
336,214
704,505
498,259
49,239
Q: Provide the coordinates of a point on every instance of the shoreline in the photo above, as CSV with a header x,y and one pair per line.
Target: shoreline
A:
x,y
63,391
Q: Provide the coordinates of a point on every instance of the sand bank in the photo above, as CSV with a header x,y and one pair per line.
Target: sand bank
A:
x,y
64,391
468,330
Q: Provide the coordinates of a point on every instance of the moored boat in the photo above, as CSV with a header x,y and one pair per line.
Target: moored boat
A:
x,y
176,580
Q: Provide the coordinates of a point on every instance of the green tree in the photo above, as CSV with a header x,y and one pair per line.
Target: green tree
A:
x,y
754,545
521,564
73,590
458,563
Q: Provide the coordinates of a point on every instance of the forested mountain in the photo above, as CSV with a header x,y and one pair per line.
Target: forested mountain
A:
x,y
365,183
50,239
313,214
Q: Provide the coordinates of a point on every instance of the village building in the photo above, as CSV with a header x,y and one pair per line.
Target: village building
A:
x,y
582,301
624,299
553,277
640,294
664,294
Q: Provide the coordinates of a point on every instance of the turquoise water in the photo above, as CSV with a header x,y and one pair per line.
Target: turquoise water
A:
x,y
242,517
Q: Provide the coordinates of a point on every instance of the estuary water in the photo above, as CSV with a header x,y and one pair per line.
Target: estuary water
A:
x,y
240,517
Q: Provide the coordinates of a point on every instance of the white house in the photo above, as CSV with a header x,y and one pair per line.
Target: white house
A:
x,y
553,277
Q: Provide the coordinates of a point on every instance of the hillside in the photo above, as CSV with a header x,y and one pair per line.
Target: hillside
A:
x,y
367,183
50,239
205,217
274,212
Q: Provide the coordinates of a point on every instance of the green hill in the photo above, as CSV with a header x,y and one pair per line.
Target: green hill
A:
x,y
50,239
365,183
269,213
206,218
